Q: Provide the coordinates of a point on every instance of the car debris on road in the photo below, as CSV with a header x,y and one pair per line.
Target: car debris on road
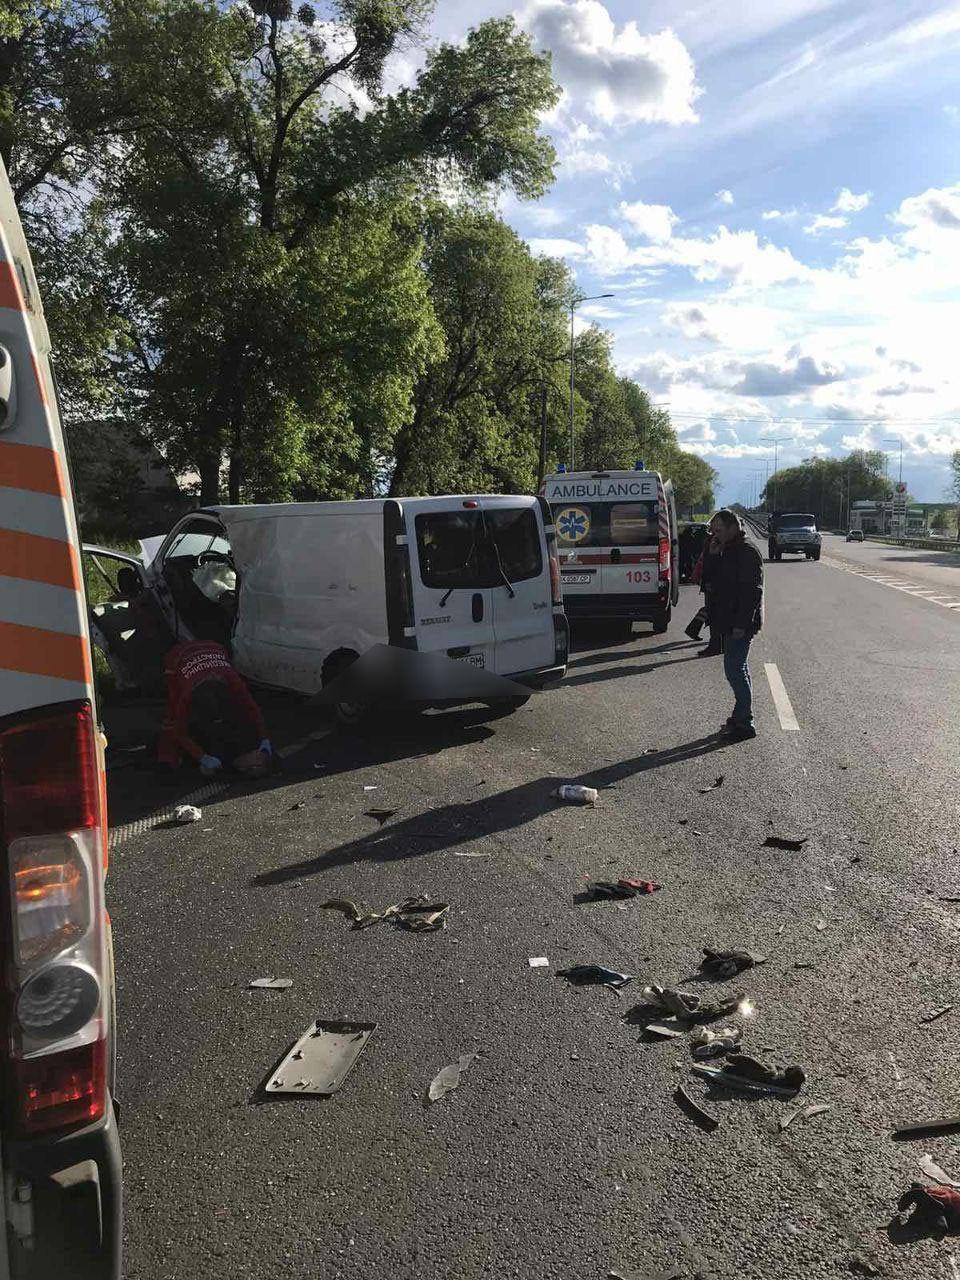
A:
x,y
588,974
785,842
449,1078
743,1072
573,793
937,1206
321,1059
717,782
419,914
269,984
184,814
933,1171
693,1109
721,965
626,887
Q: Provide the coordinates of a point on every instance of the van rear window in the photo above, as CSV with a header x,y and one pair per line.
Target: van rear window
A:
x,y
606,524
459,548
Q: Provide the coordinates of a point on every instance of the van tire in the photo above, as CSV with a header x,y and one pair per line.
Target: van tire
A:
x,y
349,714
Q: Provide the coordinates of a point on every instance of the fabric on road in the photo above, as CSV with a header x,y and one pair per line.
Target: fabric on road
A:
x,y
562,1153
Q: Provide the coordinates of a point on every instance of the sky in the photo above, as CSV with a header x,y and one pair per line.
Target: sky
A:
x,y
771,191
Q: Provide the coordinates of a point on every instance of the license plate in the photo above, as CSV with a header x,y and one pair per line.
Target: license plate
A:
x,y
574,579
473,659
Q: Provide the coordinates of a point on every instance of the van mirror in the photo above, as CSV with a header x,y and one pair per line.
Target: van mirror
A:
x,y
8,391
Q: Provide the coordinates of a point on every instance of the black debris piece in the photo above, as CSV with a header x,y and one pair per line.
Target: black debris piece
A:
x,y
721,965
692,1108
591,974
936,1014
717,782
927,1128
785,842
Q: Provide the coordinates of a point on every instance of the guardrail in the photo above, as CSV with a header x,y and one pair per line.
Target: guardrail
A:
x,y
921,544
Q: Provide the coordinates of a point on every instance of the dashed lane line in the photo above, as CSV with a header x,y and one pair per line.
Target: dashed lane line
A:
x,y
781,699
905,585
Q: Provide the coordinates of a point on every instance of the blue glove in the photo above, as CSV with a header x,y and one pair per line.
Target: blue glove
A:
x,y
266,746
210,764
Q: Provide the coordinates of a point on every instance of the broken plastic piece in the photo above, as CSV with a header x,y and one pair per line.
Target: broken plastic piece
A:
x,y
538,962
361,913
930,1167
693,1109
717,782
449,1077
623,888
665,1030
727,964
585,974
321,1059
573,793
941,1205
381,815
785,842
269,984
714,1044
743,1072
927,1128
186,813
420,914
937,1013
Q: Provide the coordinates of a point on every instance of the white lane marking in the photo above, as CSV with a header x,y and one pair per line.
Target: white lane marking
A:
x,y
781,699
931,594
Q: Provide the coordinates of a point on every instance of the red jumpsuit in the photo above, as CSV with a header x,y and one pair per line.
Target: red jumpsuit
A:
x,y
186,667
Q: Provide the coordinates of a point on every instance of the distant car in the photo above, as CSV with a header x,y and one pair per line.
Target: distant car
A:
x,y
855,535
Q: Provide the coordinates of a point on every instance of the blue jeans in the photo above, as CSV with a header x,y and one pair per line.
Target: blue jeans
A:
x,y
735,654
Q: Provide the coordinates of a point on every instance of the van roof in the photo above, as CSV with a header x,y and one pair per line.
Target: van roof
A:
x,y
355,506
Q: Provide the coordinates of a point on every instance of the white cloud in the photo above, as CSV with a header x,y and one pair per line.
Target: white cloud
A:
x,y
764,378
929,215
578,160
692,321
555,248
848,202
783,215
824,222
619,75
653,221
724,196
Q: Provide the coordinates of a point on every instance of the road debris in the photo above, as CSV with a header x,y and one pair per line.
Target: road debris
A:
x,y
301,804
322,1058
721,965
624,888
689,1005
381,815
269,984
419,914
717,782
371,788
785,842
933,1171
937,1013
938,1206
449,1078
538,962
572,793
804,1113
693,1109
471,853
186,813
665,1030
743,1072
927,1128
714,1044
863,1265
587,974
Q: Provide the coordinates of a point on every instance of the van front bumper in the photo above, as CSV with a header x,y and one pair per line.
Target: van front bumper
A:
x,y
71,1189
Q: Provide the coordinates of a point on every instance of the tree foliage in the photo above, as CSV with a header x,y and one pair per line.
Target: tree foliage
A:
x,y
822,485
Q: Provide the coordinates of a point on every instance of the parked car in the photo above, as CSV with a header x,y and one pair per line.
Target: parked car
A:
x,y
60,1194
300,591
855,535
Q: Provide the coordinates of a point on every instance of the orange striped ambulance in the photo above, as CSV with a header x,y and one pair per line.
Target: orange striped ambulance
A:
x,y
60,1157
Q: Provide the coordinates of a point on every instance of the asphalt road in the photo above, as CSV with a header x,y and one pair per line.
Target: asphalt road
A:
x,y
563,1153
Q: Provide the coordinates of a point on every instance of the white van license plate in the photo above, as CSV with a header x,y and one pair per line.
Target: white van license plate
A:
x,y
574,579
473,659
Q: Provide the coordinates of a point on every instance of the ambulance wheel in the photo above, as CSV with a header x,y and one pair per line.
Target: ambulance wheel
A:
x,y
661,622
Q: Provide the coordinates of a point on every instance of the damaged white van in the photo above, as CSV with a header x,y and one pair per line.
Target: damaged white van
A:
x,y
300,591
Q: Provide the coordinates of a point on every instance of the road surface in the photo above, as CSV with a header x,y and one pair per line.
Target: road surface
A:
x,y
563,1154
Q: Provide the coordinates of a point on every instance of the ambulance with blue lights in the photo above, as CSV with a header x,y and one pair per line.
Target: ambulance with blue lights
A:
x,y
60,1168
617,538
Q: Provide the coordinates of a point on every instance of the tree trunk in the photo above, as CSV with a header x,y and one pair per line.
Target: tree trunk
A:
x,y
210,480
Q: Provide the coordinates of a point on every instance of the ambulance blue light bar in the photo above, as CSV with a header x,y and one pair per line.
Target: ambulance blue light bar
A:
x,y
561,468
638,466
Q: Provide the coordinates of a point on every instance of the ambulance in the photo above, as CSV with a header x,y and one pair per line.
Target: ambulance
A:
x,y
59,1153
618,543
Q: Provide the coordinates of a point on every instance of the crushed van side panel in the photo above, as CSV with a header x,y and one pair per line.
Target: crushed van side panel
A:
x,y
309,584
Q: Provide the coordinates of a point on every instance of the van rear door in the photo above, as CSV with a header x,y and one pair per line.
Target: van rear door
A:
x,y
451,579
522,609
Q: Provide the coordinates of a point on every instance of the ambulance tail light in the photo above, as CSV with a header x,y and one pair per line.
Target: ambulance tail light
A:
x,y
665,558
57,962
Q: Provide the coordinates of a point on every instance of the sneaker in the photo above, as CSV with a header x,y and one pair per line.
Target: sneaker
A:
x,y
742,732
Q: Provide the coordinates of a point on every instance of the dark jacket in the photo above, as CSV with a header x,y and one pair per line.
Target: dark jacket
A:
x,y
737,589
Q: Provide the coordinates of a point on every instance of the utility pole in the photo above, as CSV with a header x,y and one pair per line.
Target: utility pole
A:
x,y
574,303
776,462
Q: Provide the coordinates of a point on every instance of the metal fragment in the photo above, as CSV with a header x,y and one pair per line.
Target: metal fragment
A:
x,y
324,1055
693,1109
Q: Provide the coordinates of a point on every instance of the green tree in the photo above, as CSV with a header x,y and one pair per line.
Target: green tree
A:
x,y
955,483
267,227
938,521
821,485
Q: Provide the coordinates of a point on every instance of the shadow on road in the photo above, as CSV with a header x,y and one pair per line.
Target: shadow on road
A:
x,y
451,824
615,673
589,659
949,559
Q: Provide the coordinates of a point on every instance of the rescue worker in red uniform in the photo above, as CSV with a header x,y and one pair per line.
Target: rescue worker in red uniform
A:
x,y
210,716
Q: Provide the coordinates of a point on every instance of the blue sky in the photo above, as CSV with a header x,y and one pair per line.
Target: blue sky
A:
x,y
771,190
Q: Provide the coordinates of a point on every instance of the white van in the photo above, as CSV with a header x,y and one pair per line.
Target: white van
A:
x,y
619,544
299,591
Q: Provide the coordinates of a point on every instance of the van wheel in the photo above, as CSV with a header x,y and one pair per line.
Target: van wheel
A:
x,y
349,713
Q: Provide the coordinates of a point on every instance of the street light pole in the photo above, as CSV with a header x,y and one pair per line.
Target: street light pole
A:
x,y
898,440
574,303
776,462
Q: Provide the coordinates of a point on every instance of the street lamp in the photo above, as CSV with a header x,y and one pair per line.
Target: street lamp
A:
x,y
895,509
574,303
776,460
